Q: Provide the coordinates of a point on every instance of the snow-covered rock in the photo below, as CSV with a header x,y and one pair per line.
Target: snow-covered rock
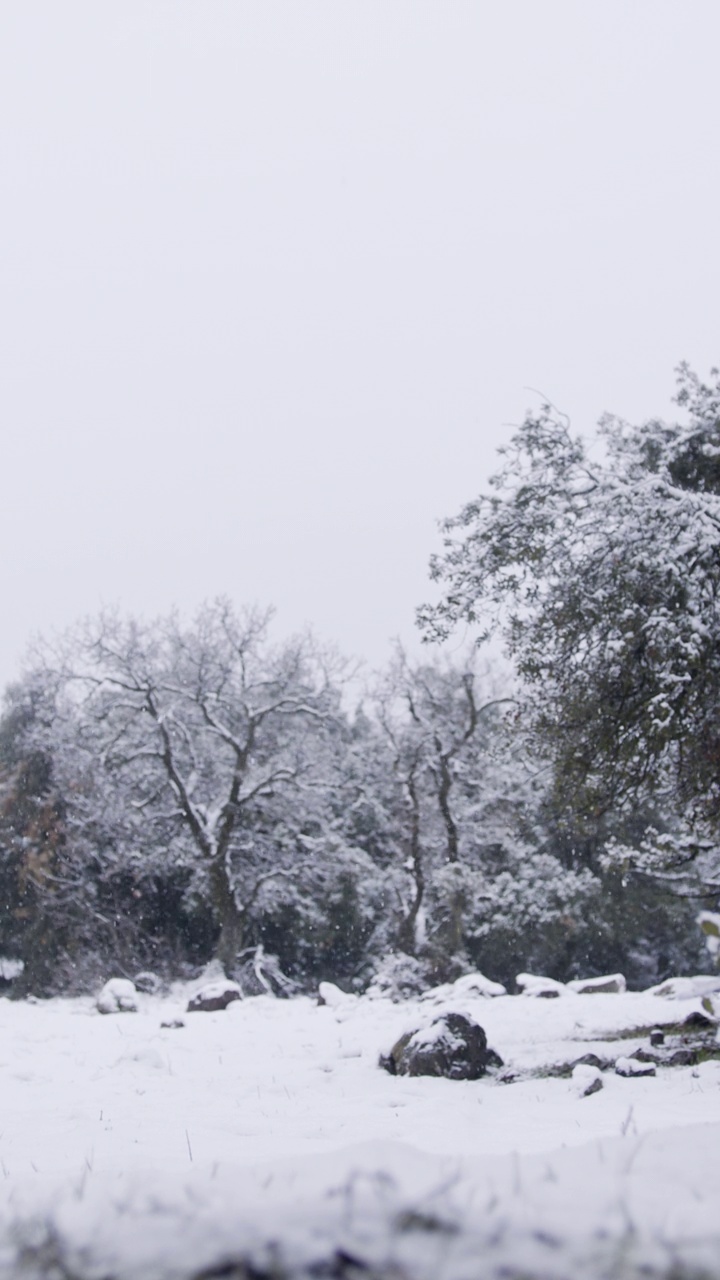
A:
x,y
701,984
117,996
334,997
586,1080
609,984
532,984
215,996
453,1046
470,984
697,1021
633,1067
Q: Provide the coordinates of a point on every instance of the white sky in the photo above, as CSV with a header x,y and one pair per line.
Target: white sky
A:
x,y
276,276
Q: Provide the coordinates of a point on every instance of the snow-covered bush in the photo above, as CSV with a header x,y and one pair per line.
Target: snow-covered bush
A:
x,y
531,915
400,977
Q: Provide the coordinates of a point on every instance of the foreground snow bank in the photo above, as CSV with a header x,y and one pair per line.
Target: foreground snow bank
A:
x,y
625,1207
133,1150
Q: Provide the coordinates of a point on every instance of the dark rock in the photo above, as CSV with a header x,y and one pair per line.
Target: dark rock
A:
x,y
681,1058
215,996
698,1020
592,1060
646,1055
657,1036
667,1057
453,1046
493,1061
593,1087
172,1024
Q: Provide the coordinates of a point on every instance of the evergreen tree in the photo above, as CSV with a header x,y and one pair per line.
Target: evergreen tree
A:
x,y
604,577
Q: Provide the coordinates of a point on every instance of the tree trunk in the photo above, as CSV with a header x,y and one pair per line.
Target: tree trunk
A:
x,y
449,937
456,921
407,933
230,917
446,781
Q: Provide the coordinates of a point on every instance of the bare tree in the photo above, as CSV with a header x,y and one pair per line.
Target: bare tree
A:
x,y
440,734
202,724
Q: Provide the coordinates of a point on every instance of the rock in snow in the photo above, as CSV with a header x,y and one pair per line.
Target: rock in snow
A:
x,y
633,1067
531,984
334,997
118,996
701,984
586,1080
610,984
214,996
453,1046
470,984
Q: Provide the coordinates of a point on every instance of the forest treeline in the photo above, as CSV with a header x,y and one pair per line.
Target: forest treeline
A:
x,y
177,791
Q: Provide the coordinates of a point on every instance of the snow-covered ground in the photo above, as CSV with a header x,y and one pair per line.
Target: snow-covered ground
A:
x,y
268,1132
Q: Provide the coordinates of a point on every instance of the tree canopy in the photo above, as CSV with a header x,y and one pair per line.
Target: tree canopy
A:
x,y
600,566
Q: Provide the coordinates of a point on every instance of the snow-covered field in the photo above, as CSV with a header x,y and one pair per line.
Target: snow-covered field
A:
x,y
267,1133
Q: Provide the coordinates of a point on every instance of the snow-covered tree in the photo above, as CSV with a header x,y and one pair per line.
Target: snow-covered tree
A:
x,y
468,804
192,747
75,887
433,721
31,837
603,574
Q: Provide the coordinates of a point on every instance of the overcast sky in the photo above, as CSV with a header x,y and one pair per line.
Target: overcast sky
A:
x,y
276,278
